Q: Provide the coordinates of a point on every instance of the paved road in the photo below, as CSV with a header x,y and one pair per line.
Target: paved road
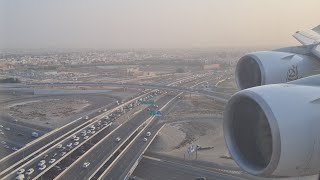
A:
x,y
17,136
217,95
19,155
124,164
154,169
107,147
29,150
47,141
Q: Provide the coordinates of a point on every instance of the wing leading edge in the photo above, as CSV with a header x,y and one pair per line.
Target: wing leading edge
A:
x,y
312,39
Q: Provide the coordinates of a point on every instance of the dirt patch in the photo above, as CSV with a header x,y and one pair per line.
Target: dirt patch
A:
x,y
194,121
196,105
49,110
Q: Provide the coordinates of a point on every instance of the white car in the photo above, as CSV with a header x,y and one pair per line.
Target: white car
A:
x,y
86,137
30,171
84,134
20,177
74,136
118,139
42,167
76,139
148,134
3,142
59,146
8,129
86,164
92,132
63,153
145,139
69,145
52,161
89,131
76,143
87,117
41,163
20,171
83,131
14,149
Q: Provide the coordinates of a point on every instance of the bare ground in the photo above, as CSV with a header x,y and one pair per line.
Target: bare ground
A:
x,y
55,111
194,121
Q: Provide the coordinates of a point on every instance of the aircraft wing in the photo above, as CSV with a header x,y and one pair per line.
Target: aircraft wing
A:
x,y
310,39
306,38
316,29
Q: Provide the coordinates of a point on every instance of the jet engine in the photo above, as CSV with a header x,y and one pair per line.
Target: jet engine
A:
x,y
271,67
274,130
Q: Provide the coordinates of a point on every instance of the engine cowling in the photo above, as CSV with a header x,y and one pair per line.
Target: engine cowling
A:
x,y
274,130
271,67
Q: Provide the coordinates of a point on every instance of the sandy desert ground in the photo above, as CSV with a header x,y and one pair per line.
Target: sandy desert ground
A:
x,y
194,120
55,111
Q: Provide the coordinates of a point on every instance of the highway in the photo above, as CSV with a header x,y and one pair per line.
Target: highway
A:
x,y
125,161
125,164
108,147
48,150
221,97
130,157
158,169
34,150
36,154
217,95
72,172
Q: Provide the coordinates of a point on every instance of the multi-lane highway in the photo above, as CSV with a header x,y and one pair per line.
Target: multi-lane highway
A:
x,y
44,146
221,97
62,145
130,157
216,95
105,150
125,132
125,165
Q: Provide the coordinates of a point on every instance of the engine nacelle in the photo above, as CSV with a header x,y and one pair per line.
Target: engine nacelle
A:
x,y
274,130
271,67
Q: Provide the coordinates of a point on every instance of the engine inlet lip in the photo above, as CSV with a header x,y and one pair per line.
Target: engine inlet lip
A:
x,y
261,68
233,149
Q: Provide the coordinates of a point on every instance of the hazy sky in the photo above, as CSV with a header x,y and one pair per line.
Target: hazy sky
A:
x,y
153,23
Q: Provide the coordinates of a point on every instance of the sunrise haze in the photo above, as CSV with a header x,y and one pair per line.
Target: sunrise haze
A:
x,y
154,24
